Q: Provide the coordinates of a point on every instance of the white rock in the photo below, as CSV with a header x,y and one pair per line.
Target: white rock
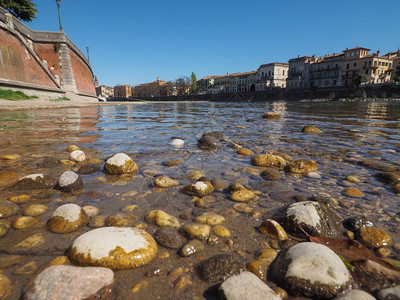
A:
x,y
355,295
91,211
67,178
246,286
99,242
394,292
118,159
69,212
77,155
200,185
314,175
305,212
33,176
177,143
316,264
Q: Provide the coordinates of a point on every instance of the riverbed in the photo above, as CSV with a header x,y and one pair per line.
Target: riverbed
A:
x,y
358,139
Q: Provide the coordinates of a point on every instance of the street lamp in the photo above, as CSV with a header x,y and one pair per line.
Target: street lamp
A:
x,y
87,49
59,15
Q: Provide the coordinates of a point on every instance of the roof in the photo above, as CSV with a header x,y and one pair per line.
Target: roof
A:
x,y
357,48
274,63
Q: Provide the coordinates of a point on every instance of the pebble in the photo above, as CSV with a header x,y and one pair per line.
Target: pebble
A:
x,y
192,247
246,286
129,208
311,129
169,238
32,241
140,285
20,198
243,195
7,209
268,160
173,162
3,230
268,255
165,182
220,267
205,202
177,143
221,231
273,229
311,270
8,178
67,218
271,116
7,261
242,207
98,221
10,157
352,179
6,286
374,237
220,184
245,152
24,222
258,268
301,166
355,295
88,169
197,231
70,181
114,247
120,220
210,218
383,252
390,293
208,142
354,193
195,175
35,181
314,175
390,178
120,163
315,218
91,211
67,162
27,269
199,189
162,219
72,148
271,174
396,188
56,282
77,156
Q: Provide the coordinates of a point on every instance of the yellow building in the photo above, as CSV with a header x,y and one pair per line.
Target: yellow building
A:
x,y
373,68
122,91
152,89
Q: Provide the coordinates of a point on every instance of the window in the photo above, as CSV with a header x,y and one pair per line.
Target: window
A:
x,y
374,63
283,73
390,65
355,64
366,71
348,66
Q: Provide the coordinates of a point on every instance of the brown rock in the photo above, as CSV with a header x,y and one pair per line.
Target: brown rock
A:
x,y
8,178
353,192
268,160
300,166
273,229
245,152
243,195
311,129
374,237
272,116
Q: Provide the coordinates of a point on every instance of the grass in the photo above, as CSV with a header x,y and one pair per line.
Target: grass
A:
x,y
15,95
60,99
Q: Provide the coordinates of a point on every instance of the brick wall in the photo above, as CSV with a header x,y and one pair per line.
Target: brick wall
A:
x,y
49,53
83,75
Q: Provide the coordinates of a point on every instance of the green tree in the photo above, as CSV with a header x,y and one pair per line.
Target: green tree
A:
x,y
22,9
183,85
193,87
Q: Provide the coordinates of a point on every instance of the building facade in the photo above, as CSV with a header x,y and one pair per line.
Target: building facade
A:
x,y
272,75
122,91
152,89
299,72
326,71
104,91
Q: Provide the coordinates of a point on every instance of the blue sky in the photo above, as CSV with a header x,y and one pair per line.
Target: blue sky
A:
x,y
133,42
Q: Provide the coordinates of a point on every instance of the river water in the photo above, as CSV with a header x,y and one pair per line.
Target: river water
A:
x,y
358,138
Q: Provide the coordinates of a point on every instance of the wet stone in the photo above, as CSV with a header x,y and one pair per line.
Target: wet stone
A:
x,y
268,160
7,209
374,237
390,178
221,231
20,198
205,202
77,156
356,295
273,230
88,169
271,174
91,211
220,267
242,208
200,189
162,219
77,282
197,231
301,166
210,218
246,286
311,270
169,238
6,286
98,221
355,223
8,178
114,247
69,181
315,218
311,129
268,255
396,188
172,163
165,182
35,181
7,261
243,195
72,148
177,143
24,222
245,152
353,193
192,247
120,163
352,179
32,241
10,157
120,220
258,268
271,116
220,184
67,218
208,142
195,175
3,230
27,269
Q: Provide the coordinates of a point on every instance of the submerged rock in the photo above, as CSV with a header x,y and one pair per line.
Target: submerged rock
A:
x,y
311,270
162,219
390,178
210,218
7,209
273,230
8,178
374,237
56,282
67,218
89,169
77,156
69,181
271,174
165,182
169,238
315,218
272,116
246,286
192,247
268,160
356,295
35,181
220,267
114,247
177,143
120,163
311,129
208,142
199,189
300,166
197,231
354,193
243,195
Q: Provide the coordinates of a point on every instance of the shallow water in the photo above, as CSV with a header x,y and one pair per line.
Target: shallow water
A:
x,y
352,132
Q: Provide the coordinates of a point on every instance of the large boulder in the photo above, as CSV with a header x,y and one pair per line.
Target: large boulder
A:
x,y
120,163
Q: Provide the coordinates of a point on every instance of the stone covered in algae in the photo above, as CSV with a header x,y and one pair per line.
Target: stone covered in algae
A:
x,y
268,160
300,166
120,163
199,189
114,247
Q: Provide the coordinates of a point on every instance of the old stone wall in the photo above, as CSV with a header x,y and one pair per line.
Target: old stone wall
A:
x,y
82,74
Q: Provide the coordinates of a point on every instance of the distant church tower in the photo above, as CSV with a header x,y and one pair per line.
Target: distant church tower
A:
x,y
96,82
